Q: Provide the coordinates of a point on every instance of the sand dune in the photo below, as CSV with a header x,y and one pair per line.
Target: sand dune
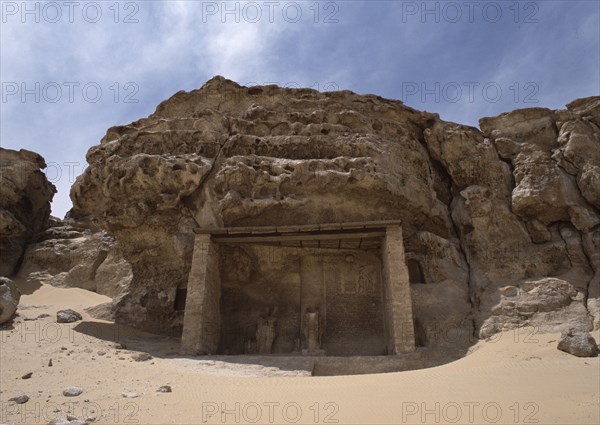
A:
x,y
518,377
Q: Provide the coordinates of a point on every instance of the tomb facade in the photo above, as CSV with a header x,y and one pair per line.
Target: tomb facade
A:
x,y
330,289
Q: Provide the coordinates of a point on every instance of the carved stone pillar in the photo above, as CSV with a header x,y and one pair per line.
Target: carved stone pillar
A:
x,y
202,316
398,303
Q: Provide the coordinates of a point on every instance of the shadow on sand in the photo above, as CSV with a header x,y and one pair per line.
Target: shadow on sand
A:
x,y
27,286
161,346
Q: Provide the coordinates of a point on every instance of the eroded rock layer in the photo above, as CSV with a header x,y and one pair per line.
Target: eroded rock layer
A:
x,y
75,254
25,196
501,225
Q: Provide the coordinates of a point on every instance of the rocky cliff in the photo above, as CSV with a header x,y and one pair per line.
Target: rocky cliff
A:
x,y
25,196
43,249
74,253
501,225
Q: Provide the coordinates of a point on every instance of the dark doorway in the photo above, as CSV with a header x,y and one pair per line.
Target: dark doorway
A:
x,y
415,273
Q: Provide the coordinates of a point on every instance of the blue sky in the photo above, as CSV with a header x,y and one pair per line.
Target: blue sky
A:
x,y
69,72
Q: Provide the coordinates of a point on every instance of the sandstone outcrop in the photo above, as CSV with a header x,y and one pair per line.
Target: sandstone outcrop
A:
x,y
25,196
501,225
76,254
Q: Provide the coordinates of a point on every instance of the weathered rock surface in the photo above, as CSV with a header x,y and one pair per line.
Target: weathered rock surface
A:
x,y
578,342
554,158
501,225
546,304
9,299
25,196
76,254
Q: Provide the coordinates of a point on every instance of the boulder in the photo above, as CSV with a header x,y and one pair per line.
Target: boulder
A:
x,y
67,316
578,342
76,254
9,299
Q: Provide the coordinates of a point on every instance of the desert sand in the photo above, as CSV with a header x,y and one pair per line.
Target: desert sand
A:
x,y
515,377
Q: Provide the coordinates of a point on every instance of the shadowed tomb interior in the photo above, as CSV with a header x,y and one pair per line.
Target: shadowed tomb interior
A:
x,y
309,290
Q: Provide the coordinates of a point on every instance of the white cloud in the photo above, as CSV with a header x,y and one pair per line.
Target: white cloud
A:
x,y
370,49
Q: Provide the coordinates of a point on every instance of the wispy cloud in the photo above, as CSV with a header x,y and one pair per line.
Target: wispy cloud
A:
x,y
376,47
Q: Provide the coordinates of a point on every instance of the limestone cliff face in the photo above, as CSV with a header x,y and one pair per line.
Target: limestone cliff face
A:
x,y
74,254
25,196
500,225
43,249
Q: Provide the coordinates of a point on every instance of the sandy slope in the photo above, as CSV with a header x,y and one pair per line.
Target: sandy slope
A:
x,y
517,378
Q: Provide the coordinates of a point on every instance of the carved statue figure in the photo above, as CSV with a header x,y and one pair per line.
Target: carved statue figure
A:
x,y
312,332
265,332
365,282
